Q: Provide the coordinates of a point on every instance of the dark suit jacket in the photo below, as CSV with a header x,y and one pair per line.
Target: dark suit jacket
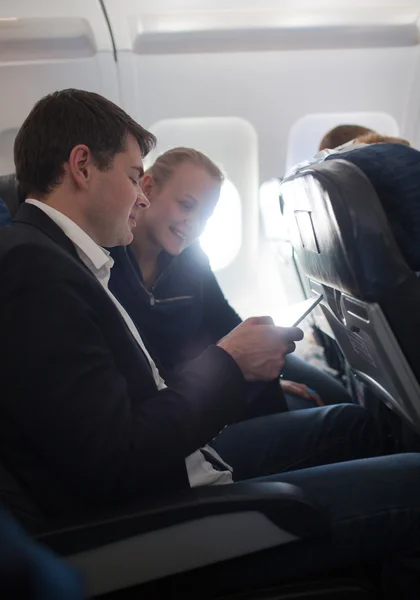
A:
x,y
82,423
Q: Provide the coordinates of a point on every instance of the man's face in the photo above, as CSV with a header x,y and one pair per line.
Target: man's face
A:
x,y
115,197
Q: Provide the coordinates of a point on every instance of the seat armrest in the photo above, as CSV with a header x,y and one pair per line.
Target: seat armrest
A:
x,y
282,504
200,527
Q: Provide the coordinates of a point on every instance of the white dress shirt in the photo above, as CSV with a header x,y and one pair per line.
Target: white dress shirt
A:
x,y
99,262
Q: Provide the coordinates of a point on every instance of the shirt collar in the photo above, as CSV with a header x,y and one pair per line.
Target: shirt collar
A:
x,y
98,257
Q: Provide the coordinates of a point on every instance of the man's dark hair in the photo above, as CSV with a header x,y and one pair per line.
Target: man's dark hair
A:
x,y
341,135
61,121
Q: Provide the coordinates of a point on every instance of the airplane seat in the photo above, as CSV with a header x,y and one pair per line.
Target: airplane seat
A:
x,y
5,216
354,220
10,195
160,543
28,571
176,543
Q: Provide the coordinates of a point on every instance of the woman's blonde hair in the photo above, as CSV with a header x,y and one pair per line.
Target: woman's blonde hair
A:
x,y
375,138
166,163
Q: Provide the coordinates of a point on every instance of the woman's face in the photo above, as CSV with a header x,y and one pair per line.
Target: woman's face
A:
x,y
179,209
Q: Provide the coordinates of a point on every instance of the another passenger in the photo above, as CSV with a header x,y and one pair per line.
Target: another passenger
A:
x,y
86,420
337,136
376,138
165,282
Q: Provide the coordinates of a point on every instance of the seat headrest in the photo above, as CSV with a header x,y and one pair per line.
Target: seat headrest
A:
x,y
9,193
339,227
394,172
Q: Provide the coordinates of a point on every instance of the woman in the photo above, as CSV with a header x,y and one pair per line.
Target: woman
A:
x,y
165,282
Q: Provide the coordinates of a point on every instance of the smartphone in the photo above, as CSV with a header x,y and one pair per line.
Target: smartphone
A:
x,y
294,314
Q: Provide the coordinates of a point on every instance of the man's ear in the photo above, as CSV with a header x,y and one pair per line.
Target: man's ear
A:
x,y
147,184
80,165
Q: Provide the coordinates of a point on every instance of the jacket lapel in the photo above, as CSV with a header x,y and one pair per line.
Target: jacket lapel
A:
x,y
31,215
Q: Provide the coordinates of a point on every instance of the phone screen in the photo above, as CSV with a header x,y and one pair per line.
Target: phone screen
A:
x,y
295,313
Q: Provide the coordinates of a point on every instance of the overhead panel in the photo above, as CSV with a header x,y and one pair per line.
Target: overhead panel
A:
x,y
23,39
319,37
69,19
182,26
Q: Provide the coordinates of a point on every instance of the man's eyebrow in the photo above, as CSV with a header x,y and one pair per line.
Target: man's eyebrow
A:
x,y
139,169
191,198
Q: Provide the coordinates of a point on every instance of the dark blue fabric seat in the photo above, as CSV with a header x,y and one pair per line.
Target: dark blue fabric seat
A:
x,y
5,216
29,571
394,171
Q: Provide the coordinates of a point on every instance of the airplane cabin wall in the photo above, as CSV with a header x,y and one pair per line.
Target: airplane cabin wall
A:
x,y
269,90
47,46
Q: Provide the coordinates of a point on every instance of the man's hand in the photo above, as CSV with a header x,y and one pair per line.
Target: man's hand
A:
x,y
260,348
300,389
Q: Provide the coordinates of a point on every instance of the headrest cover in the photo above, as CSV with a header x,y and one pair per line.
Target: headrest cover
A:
x,y
394,172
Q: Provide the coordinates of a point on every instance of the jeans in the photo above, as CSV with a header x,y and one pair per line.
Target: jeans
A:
x,y
330,390
297,440
373,503
374,507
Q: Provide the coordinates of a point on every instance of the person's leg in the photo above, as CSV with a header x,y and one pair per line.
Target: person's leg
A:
x,y
297,440
330,390
374,508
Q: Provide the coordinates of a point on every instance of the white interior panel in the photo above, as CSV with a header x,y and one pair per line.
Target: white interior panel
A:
x,y
58,9
270,90
27,83
132,19
47,46
43,39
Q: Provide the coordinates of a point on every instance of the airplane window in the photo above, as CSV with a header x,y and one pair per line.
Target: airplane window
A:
x,y
221,239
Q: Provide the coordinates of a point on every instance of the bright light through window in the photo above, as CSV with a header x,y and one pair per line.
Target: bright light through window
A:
x,y
273,222
221,239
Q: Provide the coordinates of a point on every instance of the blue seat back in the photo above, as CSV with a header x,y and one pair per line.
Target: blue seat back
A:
x,y
5,216
394,171
355,225
11,198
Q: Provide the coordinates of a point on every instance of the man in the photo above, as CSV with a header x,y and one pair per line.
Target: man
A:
x,y
88,422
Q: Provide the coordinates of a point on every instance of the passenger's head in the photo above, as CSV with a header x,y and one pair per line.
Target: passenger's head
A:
x,y
341,135
375,138
82,154
183,187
